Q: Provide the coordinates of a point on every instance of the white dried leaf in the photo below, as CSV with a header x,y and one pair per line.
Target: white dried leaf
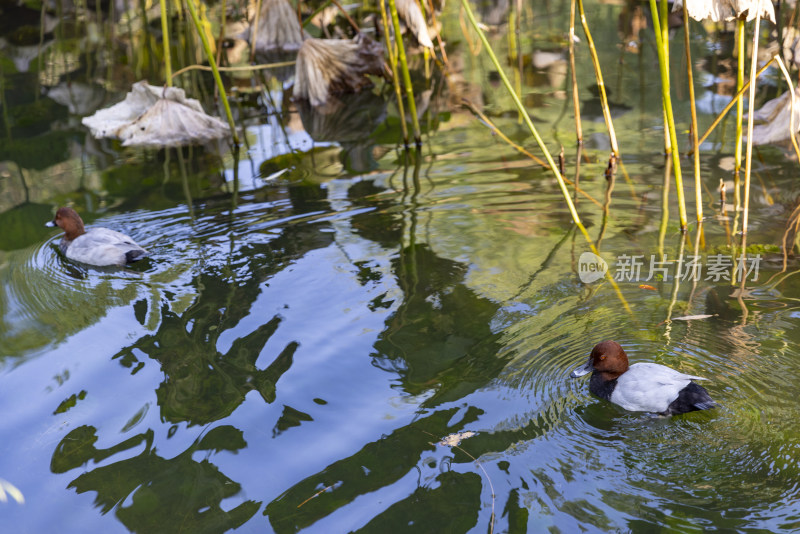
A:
x,y
412,15
776,117
692,317
156,117
8,489
278,27
454,439
327,66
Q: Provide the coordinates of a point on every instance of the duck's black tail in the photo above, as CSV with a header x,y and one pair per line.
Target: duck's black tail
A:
x,y
691,398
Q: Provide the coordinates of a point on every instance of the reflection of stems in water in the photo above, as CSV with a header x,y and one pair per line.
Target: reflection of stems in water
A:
x,y
606,208
395,75
24,185
741,291
521,150
545,264
542,146
600,85
165,42
662,45
401,54
662,227
697,240
185,183
698,189
235,195
728,107
748,161
215,71
576,103
676,284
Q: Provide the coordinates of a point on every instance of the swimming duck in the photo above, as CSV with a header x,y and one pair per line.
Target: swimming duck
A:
x,y
97,246
641,387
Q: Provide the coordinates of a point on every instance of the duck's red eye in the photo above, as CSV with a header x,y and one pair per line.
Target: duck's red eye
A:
x,y
603,357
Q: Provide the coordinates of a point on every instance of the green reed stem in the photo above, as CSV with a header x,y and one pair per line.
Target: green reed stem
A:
x,y
599,76
401,54
214,69
165,43
662,45
751,104
698,186
395,77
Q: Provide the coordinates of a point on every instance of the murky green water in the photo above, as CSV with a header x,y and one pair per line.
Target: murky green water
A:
x,y
316,315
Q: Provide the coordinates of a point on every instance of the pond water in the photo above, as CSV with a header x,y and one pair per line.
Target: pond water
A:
x,y
318,312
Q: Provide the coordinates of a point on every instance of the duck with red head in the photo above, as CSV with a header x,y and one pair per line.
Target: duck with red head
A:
x,y
97,246
641,387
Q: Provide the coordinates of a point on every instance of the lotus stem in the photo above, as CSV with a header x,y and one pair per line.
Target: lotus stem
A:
x,y
221,31
698,186
751,104
254,32
662,45
576,103
238,68
737,154
401,53
395,76
214,68
599,76
165,43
